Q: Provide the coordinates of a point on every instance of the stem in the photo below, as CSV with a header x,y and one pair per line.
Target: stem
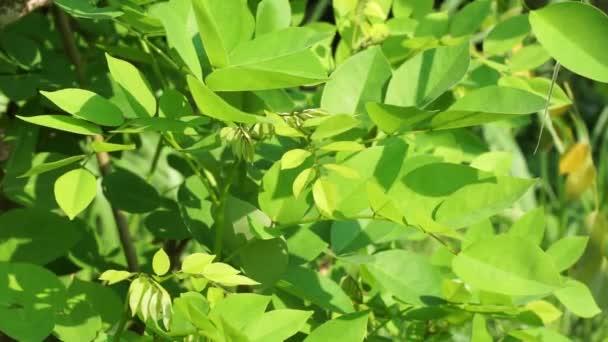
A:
x,y
103,158
122,324
546,119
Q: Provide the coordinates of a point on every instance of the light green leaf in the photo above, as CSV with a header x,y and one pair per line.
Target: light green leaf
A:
x,y
343,146
530,226
479,332
575,34
36,236
577,298
211,104
528,58
412,8
74,191
45,167
508,265
33,294
470,17
389,269
349,327
174,15
324,193
63,123
279,59
391,119
86,105
272,15
342,170
506,35
301,181
566,251
334,125
102,146
435,72
222,26
277,325
160,262
139,95
196,263
218,270
241,309
84,9
294,158
359,79
113,276
137,289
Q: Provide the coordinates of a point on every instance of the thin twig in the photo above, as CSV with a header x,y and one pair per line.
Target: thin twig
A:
x,y
103,158
545,117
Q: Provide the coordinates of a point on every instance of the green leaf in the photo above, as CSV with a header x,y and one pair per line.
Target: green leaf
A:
x,y
113,276
129,192
575,34
470,17
391,119
102,146
348,236
174,15
577,298
294,158
508,265
63,123
322,291
139,96
566,251
358,80
324,193
276,196
161,263
349,327
272,15
435,72
74,191
277,325
222,27
46,167
265,261
79,320
33,294
211,104
279,59
173,104
84,9
334,125
103,300
35,236
86,105
226,275
506,35
389,267
196,263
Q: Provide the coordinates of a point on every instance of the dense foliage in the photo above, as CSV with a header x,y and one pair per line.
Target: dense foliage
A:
x,y
271,170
